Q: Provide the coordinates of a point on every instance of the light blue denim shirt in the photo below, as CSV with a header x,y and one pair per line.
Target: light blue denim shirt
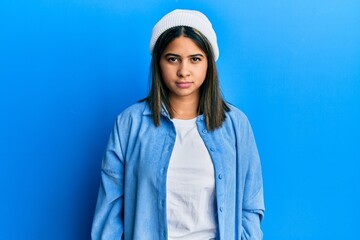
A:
x,y
132,197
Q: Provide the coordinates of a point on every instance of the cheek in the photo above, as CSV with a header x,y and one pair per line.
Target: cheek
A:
x,y
162,70
168,72
165,75
203,71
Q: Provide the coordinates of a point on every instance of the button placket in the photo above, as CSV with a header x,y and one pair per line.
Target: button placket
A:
x,y
164,234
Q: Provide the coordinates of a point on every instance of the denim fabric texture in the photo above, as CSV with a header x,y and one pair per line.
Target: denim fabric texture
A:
x,y
132,196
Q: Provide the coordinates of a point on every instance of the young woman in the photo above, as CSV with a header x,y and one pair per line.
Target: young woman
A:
x,y
183,163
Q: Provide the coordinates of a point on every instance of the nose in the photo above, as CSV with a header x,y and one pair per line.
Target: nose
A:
x,y
183,70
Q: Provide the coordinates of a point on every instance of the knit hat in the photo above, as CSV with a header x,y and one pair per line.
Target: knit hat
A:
x,y
189,18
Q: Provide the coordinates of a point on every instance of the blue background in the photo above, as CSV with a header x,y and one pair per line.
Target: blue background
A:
x,y
68,67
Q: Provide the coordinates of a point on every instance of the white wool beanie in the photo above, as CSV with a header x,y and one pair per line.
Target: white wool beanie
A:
x,y
189,18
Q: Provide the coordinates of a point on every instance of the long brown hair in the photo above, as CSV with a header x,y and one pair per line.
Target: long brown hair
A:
x,y
211,103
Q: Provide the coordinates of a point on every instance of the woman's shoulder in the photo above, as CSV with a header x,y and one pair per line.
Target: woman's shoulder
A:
x,y
238,120
134,110
235,113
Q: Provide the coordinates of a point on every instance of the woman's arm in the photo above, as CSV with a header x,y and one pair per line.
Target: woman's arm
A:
x,y
253,196
108,219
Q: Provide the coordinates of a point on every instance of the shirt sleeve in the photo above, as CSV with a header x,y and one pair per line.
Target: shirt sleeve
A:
x,y
253,197
108,220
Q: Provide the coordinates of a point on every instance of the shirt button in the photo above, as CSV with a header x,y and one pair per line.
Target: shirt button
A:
x,y
221,209
212,149
162,203
204,131
162,170
220,176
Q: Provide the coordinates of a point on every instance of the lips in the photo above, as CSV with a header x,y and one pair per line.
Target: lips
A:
x,y
183,84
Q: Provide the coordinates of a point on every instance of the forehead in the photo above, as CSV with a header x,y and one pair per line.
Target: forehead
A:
x,y
183,45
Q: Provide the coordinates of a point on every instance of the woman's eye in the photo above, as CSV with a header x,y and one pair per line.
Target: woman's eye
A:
x,y
196,59
172,59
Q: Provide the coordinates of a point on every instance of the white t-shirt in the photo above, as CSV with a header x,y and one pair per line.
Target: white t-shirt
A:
x,y
190,188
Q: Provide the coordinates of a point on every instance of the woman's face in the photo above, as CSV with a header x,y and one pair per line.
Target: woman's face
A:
x,y
183,68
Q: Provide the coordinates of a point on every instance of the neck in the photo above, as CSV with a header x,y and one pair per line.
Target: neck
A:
x,y
184,108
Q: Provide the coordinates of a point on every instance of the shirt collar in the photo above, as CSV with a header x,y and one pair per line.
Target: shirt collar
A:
x,y
164,112
147,110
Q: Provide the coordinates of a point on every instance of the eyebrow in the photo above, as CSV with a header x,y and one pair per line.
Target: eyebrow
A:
x,y
176,55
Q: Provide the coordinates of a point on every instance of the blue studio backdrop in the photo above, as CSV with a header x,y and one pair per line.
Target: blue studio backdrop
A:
x,y
67,68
